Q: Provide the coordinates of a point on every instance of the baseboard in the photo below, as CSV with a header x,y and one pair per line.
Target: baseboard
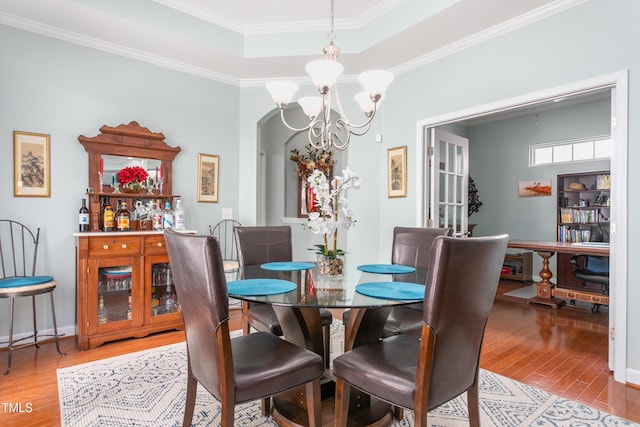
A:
x,y
633,377
67,331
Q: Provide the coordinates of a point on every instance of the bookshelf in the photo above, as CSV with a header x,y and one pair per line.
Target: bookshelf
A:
x,y
583,207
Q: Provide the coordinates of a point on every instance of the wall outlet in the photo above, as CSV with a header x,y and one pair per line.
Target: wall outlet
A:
x,y
227,213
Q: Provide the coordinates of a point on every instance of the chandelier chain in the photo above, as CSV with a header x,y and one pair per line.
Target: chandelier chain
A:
x,y
332,27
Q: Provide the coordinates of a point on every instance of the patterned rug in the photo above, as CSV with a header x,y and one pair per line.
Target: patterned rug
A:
x,y
148,388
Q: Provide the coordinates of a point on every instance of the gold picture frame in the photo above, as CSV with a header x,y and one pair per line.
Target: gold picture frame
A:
x,y
31,165
397,171
208,166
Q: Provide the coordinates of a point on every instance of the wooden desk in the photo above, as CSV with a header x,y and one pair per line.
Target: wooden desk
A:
x,y
546,291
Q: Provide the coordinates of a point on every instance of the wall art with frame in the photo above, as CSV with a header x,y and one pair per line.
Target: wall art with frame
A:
x,y
397,171
31,165
208,165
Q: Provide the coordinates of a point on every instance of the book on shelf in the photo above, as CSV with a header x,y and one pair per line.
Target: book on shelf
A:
x,y
579,216
570,234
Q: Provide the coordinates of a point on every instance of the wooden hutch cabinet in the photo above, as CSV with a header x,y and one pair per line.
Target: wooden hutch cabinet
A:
x,y
123,279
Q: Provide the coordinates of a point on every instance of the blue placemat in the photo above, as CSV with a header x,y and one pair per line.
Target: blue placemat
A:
x,y
386,268
256,287
288,266
392,290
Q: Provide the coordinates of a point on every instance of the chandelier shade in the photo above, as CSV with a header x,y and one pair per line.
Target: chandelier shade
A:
x,y
323,132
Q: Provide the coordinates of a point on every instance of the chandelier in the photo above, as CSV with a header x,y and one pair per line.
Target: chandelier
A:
x,y
323,133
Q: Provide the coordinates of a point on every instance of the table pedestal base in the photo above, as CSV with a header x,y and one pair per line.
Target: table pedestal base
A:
x,y
289,409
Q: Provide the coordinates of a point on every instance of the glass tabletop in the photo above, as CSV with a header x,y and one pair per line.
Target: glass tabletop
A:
x,y
314,290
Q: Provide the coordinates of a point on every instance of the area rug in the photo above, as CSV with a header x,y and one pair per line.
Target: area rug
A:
x,y
148,388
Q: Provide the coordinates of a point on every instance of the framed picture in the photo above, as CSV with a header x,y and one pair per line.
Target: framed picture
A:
x,y
31,165
397,171
534,188
208,178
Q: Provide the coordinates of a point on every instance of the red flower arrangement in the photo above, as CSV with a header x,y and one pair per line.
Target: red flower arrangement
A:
x,y
132,174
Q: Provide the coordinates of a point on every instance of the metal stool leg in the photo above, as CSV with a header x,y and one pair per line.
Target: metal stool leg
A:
x,y
55,325
35,323
10,347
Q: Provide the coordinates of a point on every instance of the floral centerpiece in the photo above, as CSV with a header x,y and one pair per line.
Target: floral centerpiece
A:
x,y
132,178
313,159
333,213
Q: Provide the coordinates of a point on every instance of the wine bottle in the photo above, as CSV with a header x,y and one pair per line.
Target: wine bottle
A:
x,y
178,217
156,217
108,217
123,217
83,217
167,216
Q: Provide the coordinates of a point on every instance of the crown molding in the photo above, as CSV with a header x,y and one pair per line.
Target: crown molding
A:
x,y
496,31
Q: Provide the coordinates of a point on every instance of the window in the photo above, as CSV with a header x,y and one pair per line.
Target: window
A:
x,y
578,150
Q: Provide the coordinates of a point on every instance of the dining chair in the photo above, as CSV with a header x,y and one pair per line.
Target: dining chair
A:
x,y
223,231
242,369
18,259
424,373
259,245
411,246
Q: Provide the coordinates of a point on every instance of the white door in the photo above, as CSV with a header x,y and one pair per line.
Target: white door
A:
x,y
449,177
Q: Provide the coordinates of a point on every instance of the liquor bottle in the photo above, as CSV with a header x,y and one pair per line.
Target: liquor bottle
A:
x,y
178,217
168,303
123,217
102,313
167,216
83,217
129,309
156,217
108,217
101,216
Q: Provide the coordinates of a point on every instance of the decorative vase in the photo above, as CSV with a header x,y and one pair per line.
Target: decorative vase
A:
x,y
331,266
132,187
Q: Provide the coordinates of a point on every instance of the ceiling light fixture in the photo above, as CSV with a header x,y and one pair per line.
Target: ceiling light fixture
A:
x,y
323,133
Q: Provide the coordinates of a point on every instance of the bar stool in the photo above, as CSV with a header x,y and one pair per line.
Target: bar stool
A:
x,y
18,256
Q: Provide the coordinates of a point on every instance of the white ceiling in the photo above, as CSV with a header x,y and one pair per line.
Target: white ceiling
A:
x,y
246,42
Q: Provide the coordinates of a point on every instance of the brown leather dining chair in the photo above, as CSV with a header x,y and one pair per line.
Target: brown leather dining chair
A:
x,y
242,369
259,245
411,246
422,374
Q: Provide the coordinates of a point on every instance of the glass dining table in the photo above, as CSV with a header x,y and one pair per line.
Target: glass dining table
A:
x,y
297,292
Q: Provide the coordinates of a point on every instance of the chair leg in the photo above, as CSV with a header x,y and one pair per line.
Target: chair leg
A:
x,y
313,403
35,327
244,321
326,344
55,325
190,404
473,405
266,406
343,392
10,346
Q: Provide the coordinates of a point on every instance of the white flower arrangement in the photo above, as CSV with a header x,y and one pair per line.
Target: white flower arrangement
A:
x,y
334,211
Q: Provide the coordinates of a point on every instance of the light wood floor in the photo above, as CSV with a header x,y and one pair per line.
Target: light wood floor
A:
x,y
562,351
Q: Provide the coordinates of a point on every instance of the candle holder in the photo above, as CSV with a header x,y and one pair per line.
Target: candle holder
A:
x,y
159,183
116,187
100,180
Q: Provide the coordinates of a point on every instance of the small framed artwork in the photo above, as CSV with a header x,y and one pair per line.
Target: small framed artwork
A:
x,y
208,178
31,165
397,171
534,188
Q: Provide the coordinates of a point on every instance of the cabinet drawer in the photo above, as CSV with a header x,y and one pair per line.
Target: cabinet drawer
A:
x,y
155,245
114,246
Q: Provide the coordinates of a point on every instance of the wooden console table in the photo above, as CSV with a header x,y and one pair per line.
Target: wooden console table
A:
x,y
546,291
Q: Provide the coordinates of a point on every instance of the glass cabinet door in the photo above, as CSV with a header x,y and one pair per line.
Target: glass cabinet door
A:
x,y
163,294
114,294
